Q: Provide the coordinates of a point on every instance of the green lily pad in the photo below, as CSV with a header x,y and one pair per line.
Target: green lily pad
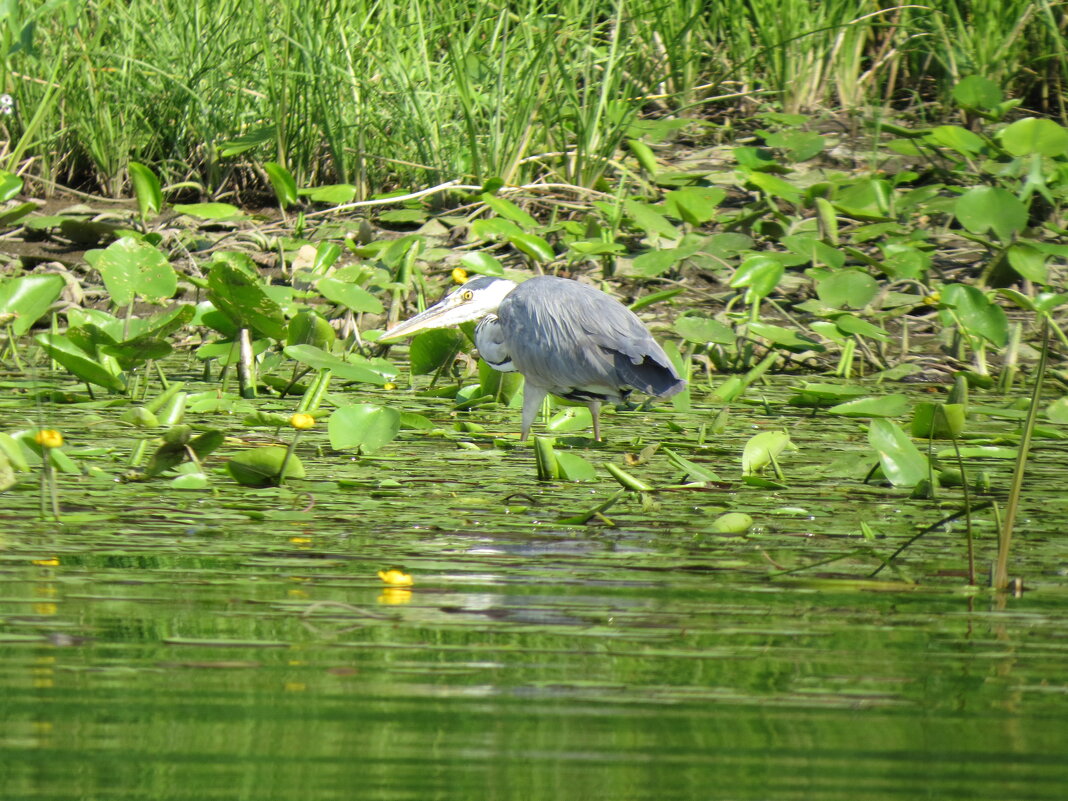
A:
x,y
260,467
364,426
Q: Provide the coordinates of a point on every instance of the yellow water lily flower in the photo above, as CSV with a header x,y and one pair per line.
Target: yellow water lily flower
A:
x,y
48,438
389,385
396,578
459,275
302,421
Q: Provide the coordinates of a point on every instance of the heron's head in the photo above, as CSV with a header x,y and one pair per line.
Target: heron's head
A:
x,y
472,301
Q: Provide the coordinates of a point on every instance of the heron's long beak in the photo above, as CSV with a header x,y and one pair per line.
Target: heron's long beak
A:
x,y
441,315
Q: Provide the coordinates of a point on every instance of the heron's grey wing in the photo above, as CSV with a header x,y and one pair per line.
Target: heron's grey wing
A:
x,y
564,335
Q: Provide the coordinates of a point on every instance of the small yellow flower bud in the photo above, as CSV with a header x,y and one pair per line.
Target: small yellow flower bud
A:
x,y
48,438
389,385
302,421
396,578
459,275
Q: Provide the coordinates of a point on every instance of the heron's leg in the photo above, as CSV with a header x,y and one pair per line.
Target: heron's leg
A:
x,y
595,412
532,398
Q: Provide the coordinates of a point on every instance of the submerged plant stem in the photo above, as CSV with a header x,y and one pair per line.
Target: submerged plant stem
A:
x,y
1001,569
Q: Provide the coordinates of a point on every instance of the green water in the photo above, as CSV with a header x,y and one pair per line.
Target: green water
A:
x,y
237,643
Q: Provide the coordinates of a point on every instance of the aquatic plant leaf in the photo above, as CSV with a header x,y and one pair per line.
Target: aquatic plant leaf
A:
x,y
410,421
866,199
644,154
991,208
503,387
1028,262
978,452
774,186
882,406
938,420
956,138
855,326
763,449
10,185
138,350
570,419
241,297
573,467
80,363
726,245
703,330
650,220
847,289
431,350
693,471
209,211
904,261
248,141
732,523
653,298
817,394
545,459
7,473
193,481
260,467
10,447
533,246
785,337
759,275
166,323
900,459
346,370
483,263
494,228
403,216
283,183
309,328
350,296
364,426
508,210
695,205
133,268
333,194
815,251
147,190
15,213
1057,412
977,313
1035,136
326,255
978,92
626,480
28,297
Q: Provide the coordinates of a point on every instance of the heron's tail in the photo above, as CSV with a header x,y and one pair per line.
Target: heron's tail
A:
x,y
650,376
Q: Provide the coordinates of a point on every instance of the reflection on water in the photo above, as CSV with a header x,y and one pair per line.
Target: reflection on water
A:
x,y
198,679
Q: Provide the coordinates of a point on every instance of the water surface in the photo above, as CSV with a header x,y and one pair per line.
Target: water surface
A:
x,y
237,643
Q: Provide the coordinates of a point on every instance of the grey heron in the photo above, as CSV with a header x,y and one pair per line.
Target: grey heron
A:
x,y
566,338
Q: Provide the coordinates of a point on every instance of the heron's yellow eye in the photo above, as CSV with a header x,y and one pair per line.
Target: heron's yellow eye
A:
x,y
467,295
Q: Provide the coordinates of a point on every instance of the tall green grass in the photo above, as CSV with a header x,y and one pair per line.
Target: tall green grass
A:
x,y
385,94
